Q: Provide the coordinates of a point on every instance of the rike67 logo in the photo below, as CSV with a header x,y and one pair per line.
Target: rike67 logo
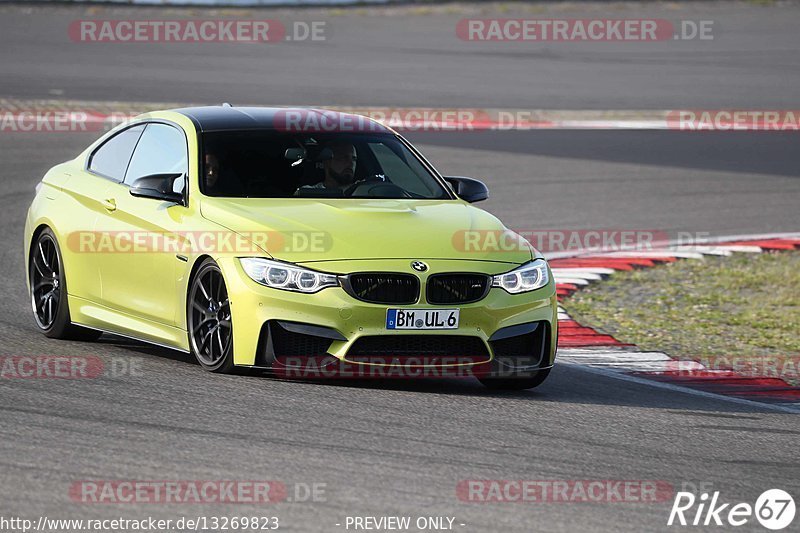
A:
x,y
774,509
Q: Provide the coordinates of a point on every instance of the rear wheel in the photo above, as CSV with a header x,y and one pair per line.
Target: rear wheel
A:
x,y
49,291
516,383
209,319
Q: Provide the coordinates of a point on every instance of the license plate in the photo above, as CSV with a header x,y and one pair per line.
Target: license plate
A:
x,y
422,319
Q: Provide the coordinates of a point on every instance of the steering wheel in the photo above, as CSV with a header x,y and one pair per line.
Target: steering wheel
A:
x,y
376,186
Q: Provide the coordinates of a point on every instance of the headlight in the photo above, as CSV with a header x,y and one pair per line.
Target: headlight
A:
x,y
528,277
285,276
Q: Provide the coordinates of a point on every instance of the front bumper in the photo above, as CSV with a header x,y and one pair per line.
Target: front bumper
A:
x,y
255,308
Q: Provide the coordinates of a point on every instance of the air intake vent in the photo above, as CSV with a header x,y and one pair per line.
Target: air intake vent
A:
x,y
383,288
456,288
417,346
290,343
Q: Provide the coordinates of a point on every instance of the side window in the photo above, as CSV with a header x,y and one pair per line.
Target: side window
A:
x,y
161,150
112,158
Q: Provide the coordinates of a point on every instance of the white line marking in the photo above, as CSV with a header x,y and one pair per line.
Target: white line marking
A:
x,y
582,270
608,124
621,360
577,275
606,355
742,248
574,281
653,253
707,250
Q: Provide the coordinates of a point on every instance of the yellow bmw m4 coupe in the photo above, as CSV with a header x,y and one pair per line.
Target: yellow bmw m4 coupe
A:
x,y
308,242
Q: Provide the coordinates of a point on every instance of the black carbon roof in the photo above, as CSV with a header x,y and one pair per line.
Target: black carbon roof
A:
x,y
290,119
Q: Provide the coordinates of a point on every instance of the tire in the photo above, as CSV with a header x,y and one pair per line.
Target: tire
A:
x,y
512,383
208,319
49,299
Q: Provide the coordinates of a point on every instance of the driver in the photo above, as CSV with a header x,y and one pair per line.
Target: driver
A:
x,y
340,169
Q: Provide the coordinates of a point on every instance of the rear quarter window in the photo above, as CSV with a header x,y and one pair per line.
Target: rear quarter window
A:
x,y
112,157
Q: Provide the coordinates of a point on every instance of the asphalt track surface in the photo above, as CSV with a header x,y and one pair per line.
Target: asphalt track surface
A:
x,y
400,448
397,58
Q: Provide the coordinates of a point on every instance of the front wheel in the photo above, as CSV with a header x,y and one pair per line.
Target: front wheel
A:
x,y
209,319
49,291
516,383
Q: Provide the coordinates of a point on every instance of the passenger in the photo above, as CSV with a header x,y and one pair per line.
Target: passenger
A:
x,y
218,182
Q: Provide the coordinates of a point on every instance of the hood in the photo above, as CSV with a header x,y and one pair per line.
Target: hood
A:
x,y
310,230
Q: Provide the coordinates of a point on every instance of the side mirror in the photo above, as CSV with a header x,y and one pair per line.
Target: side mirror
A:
x,y
468,189
157,187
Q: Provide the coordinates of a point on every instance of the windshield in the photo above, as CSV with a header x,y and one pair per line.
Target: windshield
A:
x,y
269,164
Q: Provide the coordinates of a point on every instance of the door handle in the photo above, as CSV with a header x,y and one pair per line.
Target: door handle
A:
x,y
110,204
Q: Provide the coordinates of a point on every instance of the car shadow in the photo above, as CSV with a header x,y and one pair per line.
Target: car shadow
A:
x,y
109,339
567,384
